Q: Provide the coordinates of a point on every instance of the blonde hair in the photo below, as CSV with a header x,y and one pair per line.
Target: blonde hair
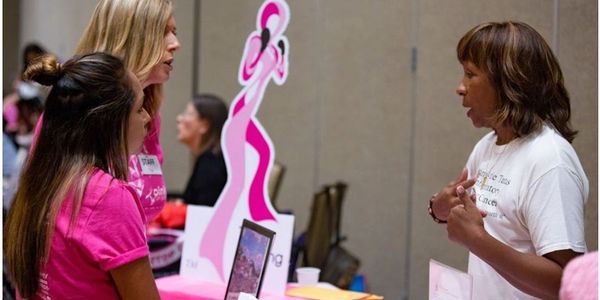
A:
x,y
133,30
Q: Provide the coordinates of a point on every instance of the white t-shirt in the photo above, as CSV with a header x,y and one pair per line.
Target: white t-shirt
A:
x,y
533,190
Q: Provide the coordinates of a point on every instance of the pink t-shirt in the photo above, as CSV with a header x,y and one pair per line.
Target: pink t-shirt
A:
x,y
149,183
109,232
145,173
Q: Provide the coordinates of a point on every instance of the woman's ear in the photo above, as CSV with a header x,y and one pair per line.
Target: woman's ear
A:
x,y
204,127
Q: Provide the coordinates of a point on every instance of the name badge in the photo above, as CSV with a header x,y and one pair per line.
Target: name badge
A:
x,y
150,164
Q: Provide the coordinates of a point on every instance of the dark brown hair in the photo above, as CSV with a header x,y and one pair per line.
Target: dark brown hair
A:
x,y
214,110
524,72
84,127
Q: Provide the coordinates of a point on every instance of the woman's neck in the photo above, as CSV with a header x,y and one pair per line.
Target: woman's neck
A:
x,y
198,147
504,135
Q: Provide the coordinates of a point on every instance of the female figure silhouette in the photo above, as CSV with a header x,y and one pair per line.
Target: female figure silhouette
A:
x,y
265,57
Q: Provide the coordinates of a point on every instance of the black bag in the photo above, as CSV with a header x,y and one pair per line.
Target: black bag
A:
x,y
340,267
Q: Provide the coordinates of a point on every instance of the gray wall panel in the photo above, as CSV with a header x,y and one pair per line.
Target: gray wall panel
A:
x,y
57,25
578,56
178,164
364,139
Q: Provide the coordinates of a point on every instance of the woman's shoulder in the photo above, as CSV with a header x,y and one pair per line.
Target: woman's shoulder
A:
x,y
103,179
209,166
107,193
548,144
546,150
210,155
103,185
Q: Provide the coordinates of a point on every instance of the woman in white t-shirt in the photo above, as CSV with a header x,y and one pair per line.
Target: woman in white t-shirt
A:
x,y
522,215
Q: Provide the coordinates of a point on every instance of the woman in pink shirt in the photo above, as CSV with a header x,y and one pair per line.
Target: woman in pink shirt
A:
x,y
143,34
76,228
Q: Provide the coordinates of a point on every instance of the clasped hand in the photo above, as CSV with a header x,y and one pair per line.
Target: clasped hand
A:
x,y
465,221
447,198
457,207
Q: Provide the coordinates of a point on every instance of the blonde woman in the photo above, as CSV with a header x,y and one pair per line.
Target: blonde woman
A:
x,y
143,34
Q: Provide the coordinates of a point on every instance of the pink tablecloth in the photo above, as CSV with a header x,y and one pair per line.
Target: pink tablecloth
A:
x,y
182,288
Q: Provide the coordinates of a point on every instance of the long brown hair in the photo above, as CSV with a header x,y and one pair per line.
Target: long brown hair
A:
x,y
524,72
85,127
133,30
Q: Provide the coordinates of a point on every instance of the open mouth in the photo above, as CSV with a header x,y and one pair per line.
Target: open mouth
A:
x,y
169,63
469,112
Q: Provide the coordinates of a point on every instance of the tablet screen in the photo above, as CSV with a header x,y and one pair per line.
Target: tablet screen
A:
x,y
250,260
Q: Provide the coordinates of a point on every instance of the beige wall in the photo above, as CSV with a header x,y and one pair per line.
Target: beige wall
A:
x,y
578,55
353,110
55,24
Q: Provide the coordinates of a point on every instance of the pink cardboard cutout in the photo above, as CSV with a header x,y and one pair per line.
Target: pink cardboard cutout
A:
x,y
265,57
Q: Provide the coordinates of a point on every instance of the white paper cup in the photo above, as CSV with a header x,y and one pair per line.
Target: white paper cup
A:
x,y
308,276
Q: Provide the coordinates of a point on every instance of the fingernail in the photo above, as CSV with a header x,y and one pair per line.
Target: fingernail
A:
x,y
460,190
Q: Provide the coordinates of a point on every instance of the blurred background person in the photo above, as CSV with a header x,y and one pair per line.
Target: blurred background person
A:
x,y
199,128
21,111
9,158
22,90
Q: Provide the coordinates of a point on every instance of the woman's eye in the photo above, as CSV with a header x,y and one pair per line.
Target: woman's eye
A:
x,y
171,30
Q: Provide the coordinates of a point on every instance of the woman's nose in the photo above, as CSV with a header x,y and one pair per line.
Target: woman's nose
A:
x,y
174,44
461,90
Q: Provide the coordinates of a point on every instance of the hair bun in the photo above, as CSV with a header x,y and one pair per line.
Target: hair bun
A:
x,y
44,69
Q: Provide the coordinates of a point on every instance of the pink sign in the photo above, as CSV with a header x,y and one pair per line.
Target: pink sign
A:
x,y
248,150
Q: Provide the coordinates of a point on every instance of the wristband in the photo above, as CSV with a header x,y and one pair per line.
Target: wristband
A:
x,y
430,211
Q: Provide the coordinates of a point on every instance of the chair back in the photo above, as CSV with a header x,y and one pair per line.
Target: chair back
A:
x,y
320,230
336,192
275,178
321,247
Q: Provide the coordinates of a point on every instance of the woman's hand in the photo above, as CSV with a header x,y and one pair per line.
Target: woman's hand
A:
x,y
447,198
465,221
